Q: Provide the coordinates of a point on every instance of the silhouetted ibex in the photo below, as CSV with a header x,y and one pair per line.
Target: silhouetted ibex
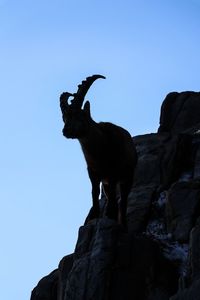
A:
x,y
108,149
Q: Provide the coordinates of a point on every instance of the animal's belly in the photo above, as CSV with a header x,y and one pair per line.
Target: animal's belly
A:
x,y
108,171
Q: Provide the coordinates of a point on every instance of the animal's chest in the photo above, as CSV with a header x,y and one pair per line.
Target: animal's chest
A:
x,y
104,168
101,166
102,160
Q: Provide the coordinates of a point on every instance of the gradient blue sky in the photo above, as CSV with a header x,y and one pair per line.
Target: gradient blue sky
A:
x,y
144,48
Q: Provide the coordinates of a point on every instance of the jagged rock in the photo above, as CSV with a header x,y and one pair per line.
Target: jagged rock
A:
x,y
176,158
64,268
179,112
139,206
110,264
141,271
150,151
181,209
47,288
148,176
191,293
147,262
94,255
52,286
196,154
162,158
195,251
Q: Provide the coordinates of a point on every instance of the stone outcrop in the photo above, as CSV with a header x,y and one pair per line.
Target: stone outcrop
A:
x,y
158,258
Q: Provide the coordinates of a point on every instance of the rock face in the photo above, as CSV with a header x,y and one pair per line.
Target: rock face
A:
x,y
159,257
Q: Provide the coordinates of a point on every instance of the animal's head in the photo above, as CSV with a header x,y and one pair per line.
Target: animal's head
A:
x,y
77,119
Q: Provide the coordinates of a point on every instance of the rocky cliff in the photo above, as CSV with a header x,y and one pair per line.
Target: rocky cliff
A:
x,y
159,257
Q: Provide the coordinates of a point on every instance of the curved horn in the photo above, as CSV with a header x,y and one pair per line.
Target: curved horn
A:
x,y
64,101
83,89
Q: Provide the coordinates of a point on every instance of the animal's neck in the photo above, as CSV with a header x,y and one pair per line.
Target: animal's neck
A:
x,y
92,142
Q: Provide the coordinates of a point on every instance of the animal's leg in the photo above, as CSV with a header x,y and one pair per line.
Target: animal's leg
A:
x,y
124,191
95,197
112,205
95,210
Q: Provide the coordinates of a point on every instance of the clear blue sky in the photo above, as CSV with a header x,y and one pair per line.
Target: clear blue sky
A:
x,y
144,48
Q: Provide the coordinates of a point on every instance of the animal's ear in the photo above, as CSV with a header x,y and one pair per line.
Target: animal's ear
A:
x,y
86,108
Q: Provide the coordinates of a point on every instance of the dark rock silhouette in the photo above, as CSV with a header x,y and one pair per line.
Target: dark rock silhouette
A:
x,y
159,257
179,112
